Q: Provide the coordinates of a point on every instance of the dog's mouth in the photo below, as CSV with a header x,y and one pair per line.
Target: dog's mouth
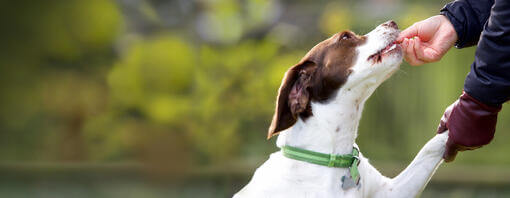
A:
x,y
378,56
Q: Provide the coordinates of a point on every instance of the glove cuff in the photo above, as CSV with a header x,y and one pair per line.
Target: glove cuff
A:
x,y
489,108
472,123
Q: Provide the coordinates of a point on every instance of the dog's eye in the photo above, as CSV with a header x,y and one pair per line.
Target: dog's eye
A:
x,y
345,36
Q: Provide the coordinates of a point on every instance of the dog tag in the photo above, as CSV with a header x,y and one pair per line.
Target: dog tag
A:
x,y
348,182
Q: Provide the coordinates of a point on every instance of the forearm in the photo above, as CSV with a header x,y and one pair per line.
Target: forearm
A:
x,y
489,79
468,18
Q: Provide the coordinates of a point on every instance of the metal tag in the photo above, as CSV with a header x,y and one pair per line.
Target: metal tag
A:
x,y
348,182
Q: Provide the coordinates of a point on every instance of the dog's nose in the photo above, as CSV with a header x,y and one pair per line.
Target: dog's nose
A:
x,y
391,24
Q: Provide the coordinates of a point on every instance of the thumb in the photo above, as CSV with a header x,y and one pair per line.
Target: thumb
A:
x,y
444,119
408,33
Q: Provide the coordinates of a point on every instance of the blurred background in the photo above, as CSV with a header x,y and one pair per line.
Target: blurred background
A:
x,y
173,98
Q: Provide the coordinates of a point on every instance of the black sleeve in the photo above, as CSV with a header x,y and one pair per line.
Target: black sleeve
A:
x,y
489,78
468,18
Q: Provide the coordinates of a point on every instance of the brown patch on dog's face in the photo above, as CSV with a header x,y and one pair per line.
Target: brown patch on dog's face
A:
x,y
322,71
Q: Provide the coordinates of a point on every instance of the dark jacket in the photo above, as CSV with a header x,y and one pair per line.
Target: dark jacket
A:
x,y
485,23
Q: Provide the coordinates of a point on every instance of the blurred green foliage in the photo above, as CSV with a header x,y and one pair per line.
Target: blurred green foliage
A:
x,y
54,56
80,82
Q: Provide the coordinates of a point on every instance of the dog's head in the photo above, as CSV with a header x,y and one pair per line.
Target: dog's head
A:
x,y
344,60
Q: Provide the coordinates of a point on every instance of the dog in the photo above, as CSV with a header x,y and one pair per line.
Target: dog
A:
x,y
317,114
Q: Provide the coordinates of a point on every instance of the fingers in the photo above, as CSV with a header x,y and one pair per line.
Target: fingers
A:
x,y
419,50
425,29
416,53
408,33
447,112
429,40
423,53
409,50
442,126
451,150
449,154
442,123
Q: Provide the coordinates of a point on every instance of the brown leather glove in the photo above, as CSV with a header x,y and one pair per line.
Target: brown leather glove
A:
x,y
471,124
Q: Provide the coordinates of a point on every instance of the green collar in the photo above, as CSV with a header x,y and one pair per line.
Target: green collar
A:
x,y
350,161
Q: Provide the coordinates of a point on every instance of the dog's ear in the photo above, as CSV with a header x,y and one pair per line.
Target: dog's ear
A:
x,y
293,97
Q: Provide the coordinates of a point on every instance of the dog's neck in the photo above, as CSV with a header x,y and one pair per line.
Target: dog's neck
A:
x,y
332,128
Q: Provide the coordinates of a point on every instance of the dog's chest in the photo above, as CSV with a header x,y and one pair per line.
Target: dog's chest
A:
x,y
282,177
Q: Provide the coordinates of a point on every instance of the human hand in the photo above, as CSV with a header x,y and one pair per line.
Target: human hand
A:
x,y
471,125
451,148
428,40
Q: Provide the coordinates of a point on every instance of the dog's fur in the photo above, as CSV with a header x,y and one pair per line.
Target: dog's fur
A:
x,y
319,107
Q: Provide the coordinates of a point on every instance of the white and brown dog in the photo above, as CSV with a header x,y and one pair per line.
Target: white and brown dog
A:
x,y
318,109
